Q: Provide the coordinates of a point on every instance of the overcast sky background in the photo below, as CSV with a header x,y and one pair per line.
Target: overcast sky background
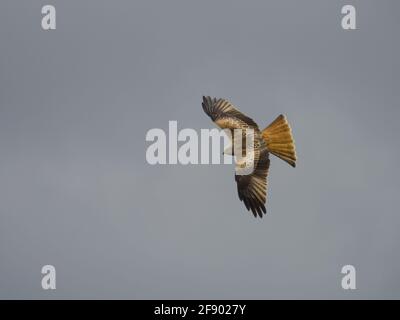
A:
x,y
76,191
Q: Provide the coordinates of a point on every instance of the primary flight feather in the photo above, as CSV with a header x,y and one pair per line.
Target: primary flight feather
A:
x,y
276,139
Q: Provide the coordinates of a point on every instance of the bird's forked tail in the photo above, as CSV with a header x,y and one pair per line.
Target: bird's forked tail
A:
x,y
279,140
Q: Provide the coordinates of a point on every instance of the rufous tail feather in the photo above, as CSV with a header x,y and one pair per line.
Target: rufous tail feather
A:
x,y
279,140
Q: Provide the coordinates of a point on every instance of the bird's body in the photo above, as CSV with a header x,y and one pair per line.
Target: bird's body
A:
x,y
276,139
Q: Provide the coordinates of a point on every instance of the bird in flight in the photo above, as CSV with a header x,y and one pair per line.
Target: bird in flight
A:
x,y
276,139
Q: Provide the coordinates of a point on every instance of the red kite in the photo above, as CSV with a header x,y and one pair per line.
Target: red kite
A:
x,y
276,139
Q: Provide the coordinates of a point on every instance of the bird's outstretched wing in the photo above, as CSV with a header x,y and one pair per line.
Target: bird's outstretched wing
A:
x,y
252,189
219,108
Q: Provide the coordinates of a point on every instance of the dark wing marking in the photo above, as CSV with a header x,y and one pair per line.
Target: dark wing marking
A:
x,y
216,108
252,189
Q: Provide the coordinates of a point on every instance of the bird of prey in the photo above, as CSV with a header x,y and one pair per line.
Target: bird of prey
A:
x,y
276,139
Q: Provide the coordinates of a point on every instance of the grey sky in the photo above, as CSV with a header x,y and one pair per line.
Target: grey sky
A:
x,y
77,193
